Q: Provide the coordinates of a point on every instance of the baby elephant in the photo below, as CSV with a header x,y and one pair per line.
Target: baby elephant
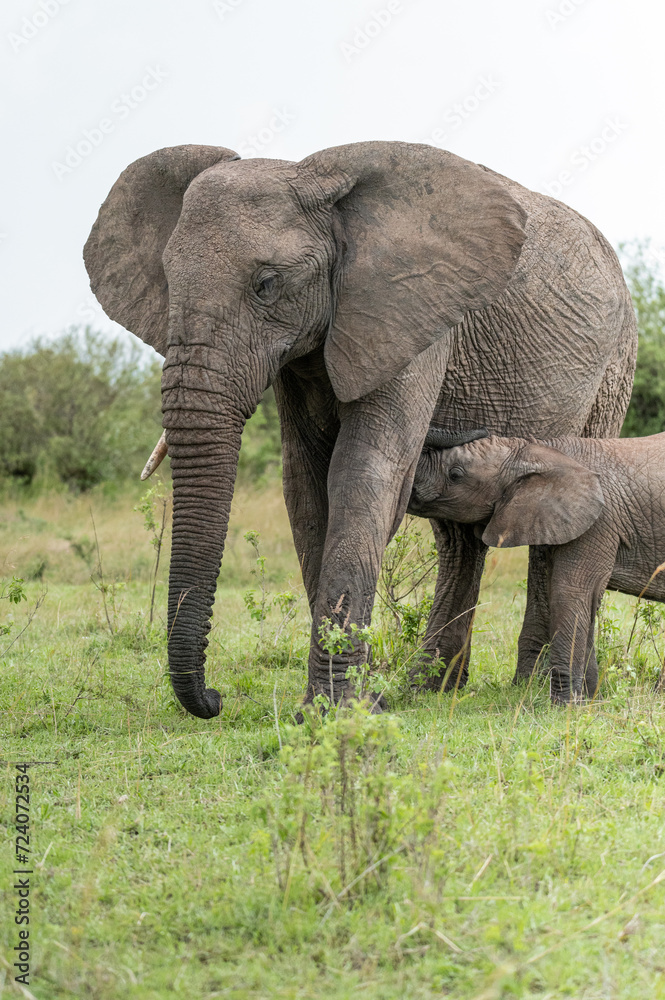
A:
x,y
598,505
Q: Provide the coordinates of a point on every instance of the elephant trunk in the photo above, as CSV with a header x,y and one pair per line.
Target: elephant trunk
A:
x,y
203,430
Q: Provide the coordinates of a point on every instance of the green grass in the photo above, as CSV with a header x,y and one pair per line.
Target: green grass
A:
x,y
483,846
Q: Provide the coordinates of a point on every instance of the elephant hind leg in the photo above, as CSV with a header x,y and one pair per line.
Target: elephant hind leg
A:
x,y
447,643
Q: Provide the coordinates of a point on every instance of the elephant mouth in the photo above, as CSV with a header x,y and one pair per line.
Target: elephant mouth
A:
x,y
414,504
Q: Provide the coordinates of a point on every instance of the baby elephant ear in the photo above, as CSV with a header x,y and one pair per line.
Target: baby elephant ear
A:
x,y
551,500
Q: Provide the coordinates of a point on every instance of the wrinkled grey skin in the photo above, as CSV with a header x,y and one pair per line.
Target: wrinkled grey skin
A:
x,y
598,507
376,286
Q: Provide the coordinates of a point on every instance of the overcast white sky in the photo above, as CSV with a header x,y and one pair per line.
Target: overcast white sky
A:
x,y
532,88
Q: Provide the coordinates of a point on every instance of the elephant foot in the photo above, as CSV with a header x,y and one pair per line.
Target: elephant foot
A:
x,y
523,675
433,674
591,690
345,693
573,699
531,658
561,692
374,702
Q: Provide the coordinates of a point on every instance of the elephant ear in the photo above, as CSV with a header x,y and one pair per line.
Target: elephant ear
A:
x,y
551,500
429,236
123,254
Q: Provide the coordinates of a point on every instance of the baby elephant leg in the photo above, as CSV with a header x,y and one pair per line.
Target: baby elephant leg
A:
x,y
580,573
535,634
447,644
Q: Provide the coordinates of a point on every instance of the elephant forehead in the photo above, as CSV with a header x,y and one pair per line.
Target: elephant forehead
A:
x,y
253,192
228,221
484,458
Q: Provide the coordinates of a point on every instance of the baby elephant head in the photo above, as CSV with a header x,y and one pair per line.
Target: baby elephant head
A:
x,y
523,493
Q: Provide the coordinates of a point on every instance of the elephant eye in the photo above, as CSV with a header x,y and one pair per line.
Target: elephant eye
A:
x,y
456,474
266,286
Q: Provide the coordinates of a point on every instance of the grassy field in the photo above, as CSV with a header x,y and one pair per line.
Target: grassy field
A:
x,y
479,846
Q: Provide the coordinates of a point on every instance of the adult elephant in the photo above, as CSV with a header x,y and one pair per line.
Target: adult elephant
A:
x,y
379,287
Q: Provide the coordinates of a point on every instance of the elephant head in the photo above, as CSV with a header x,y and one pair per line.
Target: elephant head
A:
x,y
523,493
234,268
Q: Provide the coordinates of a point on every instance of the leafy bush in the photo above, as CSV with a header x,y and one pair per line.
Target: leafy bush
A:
x,y
85,409
261,452
343,812
81,409
642,266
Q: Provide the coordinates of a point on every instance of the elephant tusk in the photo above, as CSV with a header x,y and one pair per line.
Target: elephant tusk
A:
x,y
158,454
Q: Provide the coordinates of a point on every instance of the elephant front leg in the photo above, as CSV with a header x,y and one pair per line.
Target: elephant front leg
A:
x,y
535,633
369,484
365,508
309,425
447,645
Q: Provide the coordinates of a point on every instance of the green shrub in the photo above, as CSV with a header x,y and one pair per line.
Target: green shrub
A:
x,y
85,409
261,452
343,811
646,412
80,410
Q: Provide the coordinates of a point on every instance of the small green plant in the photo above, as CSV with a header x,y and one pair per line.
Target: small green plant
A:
x,y
648,629
637,657
345,812
287,603
406,572
414,619
154,505
404,603
109,591
257,609
335,639
609,642
14,593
